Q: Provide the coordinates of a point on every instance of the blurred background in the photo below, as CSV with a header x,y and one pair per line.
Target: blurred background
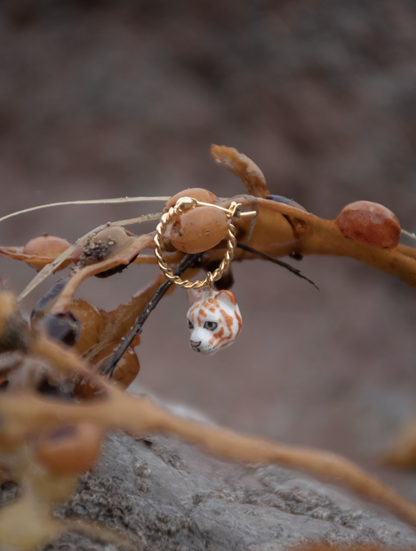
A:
x,y
105,99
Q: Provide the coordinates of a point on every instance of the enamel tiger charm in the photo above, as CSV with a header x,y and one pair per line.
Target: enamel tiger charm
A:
x,y
214,320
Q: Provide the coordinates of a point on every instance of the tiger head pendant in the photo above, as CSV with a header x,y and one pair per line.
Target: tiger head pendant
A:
x,y
214,320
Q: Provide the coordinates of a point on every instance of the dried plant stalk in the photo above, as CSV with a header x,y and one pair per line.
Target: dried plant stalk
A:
x,y
27,412
280,228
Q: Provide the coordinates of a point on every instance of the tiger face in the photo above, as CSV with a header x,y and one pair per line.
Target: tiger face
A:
x,y
214,320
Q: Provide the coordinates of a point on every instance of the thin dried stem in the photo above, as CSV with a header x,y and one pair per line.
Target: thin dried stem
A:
x,y
87,202
50,268
276,261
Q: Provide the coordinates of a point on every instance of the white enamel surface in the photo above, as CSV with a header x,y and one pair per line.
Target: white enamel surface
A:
x,y
214,320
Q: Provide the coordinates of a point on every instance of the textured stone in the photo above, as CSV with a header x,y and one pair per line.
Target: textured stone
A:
x,y
167,495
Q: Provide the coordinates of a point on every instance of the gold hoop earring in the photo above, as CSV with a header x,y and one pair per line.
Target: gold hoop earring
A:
x,y
183,205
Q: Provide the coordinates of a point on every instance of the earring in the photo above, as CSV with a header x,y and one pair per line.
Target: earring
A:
x,y
214,317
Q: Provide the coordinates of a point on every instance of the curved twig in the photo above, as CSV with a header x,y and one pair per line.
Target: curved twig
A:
x,y
275,261
109,367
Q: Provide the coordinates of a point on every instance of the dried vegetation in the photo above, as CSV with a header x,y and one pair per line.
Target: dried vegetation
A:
x,y
62,385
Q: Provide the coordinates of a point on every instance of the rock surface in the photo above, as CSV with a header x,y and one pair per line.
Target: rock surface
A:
x,y
167,495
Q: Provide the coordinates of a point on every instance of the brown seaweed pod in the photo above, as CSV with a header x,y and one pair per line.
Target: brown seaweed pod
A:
x,y
119,256
68,449
274,235
371,224
198,193
280,228
39,251
198,230
284,227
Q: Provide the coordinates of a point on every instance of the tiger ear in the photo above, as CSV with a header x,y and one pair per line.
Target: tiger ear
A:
x,y
192,295
227,298
196,294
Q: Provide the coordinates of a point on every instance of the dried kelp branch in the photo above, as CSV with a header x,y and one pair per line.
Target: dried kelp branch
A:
x,y
100,332
51,267
274,235
120,257
243,167
280,228
284,228
26,412
403,452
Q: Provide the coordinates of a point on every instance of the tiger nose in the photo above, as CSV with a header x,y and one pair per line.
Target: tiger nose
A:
x,y
194,344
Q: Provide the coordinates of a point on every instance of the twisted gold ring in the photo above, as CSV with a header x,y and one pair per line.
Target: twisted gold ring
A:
x,y
182,205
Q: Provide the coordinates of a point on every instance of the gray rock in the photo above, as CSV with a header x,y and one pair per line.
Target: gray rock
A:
x,y
167,495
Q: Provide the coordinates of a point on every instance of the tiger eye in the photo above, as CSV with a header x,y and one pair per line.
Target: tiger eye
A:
x,y
197,193
47,246
371,224
69,449
198,230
